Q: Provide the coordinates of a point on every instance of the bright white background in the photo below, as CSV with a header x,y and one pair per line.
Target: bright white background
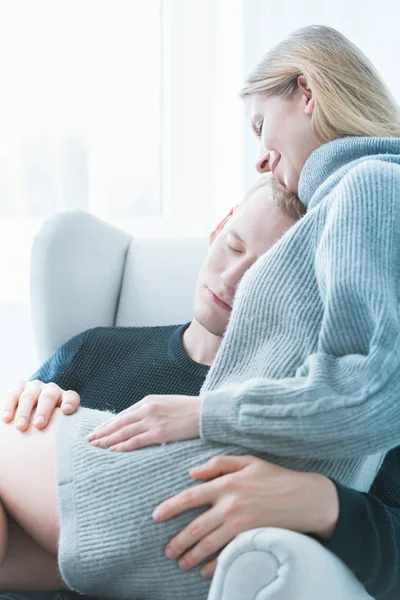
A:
x,y
129,109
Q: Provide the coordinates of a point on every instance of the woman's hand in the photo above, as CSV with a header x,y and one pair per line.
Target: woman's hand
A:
x,y
153,420
45,397
245,493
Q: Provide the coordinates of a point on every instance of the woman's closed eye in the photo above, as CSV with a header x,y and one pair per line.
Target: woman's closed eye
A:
x,y
258,127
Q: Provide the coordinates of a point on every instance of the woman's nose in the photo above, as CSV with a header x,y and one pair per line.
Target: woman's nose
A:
x,y
262,165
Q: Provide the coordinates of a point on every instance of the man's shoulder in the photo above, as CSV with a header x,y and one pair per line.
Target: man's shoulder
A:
x,y
128,335
369,178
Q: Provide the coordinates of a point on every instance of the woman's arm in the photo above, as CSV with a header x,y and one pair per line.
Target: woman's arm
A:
x,y
48,388
344,400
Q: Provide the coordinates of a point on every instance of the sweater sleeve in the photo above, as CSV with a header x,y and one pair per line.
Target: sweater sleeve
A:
x,y
367,538
59,367
344,400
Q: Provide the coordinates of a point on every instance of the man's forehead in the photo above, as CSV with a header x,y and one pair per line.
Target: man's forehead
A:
x,y
234,232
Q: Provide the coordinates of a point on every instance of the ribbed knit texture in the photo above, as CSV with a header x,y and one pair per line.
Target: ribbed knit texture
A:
x,y
307,376
140,360
309,365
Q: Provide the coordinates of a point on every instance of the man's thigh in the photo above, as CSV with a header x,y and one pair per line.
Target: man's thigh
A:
x,y
28,489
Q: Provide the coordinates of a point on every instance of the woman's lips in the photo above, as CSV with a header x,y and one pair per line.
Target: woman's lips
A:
x,y
218,301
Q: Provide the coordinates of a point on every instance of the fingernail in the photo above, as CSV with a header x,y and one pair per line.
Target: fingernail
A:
x,y
169,553
39,420
6,414
21,422
205,572
90,437
68,406
182,563
156,514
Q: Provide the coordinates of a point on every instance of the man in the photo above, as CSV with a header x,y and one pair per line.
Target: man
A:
x,y
115,367
111,368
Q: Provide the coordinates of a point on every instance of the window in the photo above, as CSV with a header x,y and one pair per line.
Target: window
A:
x,y
128,109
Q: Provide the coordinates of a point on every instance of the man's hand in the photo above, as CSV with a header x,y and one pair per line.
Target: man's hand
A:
x,y
45,397
245,493
153,420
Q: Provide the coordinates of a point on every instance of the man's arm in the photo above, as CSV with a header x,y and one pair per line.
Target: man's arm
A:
x,y
57,368
367,533
247,492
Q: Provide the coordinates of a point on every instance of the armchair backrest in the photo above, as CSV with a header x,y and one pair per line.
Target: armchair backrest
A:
x,y
86,273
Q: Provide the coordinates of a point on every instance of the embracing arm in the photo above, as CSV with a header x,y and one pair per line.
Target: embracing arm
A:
x,y
367,533
344,400
244,492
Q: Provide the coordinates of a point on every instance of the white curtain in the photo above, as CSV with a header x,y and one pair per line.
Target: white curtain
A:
x,y
119,107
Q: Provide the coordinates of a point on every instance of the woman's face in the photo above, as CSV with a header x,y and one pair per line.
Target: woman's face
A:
x,y
285,132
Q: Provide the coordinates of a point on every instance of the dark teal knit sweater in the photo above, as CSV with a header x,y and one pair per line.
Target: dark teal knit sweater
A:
x,y
111,368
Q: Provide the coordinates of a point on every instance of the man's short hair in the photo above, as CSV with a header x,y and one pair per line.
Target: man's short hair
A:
x,y
279,196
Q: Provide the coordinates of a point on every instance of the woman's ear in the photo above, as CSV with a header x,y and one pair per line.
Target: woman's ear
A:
x,y
307,94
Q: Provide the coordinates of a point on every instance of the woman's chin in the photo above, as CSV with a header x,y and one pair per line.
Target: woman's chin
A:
x,y
290,181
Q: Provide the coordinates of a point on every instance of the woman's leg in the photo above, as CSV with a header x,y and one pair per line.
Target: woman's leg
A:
x,y
28,495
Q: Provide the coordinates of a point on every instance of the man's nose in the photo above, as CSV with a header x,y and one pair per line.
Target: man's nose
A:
x,y
263,163
232,276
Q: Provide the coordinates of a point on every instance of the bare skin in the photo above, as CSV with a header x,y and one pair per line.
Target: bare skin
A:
x,y
29,521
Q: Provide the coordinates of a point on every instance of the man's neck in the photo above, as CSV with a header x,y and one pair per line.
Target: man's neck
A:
x,y
201,345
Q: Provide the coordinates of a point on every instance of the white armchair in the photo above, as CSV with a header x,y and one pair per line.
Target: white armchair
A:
x,y
85,273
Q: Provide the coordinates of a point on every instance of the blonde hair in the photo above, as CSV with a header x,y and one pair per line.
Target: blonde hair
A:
x,y
351,99
278,196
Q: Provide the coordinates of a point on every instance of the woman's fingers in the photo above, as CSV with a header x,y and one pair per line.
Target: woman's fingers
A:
x,y
70,402
49,399
219,465
45,401
194,534
45,397
193,497
12,401
26,403
115,424
119,436
148,438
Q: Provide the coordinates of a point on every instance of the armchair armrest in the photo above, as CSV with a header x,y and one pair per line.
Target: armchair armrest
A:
x,y
77,267
277,564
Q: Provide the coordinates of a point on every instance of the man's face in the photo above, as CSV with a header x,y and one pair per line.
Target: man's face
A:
x,y
250,232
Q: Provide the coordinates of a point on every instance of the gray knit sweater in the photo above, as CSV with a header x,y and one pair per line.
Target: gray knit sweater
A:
x,y
307,376
310,364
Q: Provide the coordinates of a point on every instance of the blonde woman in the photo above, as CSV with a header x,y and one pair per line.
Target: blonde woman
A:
x,y
307,372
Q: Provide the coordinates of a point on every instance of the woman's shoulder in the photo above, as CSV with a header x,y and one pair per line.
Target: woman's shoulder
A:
x,y
380,172
371,185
